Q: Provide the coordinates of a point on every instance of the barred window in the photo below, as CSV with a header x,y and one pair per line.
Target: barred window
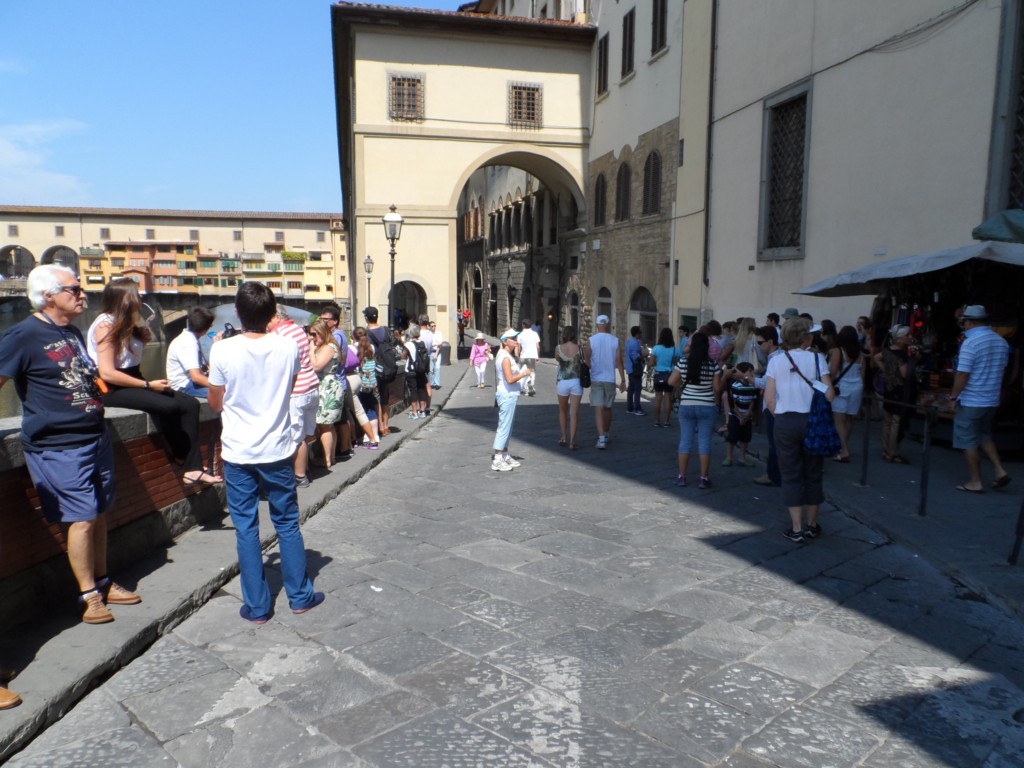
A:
x,y
628,29
600,200
193,235
659,24
525,105
622,183
405,97
104,233
602,65
58,230
12,230
151,234
652,184
784,174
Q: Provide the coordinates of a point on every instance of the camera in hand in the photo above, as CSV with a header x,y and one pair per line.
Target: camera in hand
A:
x,y
229,331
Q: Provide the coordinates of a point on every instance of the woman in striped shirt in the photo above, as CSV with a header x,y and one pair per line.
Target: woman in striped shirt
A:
x,y
701,380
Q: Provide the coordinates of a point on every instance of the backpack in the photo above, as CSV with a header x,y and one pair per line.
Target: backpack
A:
x,y
367,377
421,364
387,367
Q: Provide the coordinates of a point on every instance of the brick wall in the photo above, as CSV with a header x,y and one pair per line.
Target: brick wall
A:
x,y
150,499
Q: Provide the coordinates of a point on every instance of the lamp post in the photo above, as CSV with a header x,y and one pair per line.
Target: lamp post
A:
x,y
368,266
392,231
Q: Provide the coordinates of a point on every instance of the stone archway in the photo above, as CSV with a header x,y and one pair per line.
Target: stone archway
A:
x,y
643,311
61,254
410,299
16,262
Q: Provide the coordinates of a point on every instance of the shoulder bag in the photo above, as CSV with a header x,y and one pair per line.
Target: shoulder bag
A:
x,y
821,438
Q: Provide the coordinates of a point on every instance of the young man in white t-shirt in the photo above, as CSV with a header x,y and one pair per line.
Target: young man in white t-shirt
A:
x,y
186,364
251,381
529,345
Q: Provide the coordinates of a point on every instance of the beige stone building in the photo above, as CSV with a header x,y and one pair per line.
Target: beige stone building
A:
x,y
301,256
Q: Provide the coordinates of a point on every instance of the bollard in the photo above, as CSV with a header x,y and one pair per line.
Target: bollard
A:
x,y
929,420
1015,551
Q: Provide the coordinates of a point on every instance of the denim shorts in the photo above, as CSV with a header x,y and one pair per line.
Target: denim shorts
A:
x,y
74,484
972,425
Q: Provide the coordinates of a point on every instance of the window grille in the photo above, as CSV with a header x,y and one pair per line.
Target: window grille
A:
x,y
786,152
104,233
659,33
600,200
58,231
12,230
652,184
622,183
193,235
525,105
405,97
151,234
1016,191
602,65
628,28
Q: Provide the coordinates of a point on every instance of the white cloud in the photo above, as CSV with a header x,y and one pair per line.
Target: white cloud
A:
x,y
25,178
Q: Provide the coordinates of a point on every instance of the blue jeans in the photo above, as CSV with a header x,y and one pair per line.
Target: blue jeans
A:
x,y
243,490
506,412
773,457
636,383
700,419
191,389
435,370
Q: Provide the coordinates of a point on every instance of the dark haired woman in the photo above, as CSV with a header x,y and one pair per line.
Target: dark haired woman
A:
x,y
701,380
570,391
115,341
846,367
663,354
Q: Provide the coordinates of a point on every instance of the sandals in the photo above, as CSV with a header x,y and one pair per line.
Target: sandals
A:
x,y
205,478
562,442
897,459
573,447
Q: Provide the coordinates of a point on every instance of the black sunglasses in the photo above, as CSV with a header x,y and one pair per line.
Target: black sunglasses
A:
x,y
74,290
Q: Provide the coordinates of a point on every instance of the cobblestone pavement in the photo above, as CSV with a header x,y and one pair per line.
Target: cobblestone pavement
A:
x,y
578,611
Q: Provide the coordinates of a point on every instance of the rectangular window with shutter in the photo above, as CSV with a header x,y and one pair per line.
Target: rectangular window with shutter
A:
x,y
525,105
784,157
628,34
405,97
602,65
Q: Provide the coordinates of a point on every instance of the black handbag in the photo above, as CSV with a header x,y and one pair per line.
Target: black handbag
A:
x,y
584,375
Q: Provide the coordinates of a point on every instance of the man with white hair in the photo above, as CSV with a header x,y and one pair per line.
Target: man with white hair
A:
x,y
603,354
67,447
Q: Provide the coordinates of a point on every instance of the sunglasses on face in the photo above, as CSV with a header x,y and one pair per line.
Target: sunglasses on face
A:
x,y
74,290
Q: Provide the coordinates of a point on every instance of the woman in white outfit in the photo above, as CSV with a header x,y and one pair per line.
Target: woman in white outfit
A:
x,y
508,375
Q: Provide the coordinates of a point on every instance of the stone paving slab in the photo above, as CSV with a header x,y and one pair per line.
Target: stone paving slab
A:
x,y
613,620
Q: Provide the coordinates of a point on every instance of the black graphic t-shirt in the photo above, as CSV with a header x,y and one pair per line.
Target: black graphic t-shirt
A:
x,y
50,371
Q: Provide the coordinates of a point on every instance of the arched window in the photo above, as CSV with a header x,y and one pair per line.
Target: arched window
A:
x,y
600,200
604,304
643,311
622,183
652,184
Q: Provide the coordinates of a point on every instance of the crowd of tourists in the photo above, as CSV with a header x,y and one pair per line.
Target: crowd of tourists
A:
x,y
278,387
804,382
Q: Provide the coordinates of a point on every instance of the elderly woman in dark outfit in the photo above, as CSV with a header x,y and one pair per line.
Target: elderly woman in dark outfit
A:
x,y
788,396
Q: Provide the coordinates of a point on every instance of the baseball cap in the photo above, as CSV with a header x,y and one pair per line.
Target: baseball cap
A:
x,y
510,333
370,313
602,320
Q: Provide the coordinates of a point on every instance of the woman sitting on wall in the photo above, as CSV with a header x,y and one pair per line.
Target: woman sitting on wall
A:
x,y
115,341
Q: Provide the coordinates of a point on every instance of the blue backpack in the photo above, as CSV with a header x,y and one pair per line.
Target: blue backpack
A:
x,y
821,438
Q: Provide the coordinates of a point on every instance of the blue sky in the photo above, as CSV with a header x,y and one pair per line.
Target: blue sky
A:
x,y
187,104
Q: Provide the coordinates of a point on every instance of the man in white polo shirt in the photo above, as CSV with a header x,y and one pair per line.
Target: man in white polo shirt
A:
x,y
529,351
603,354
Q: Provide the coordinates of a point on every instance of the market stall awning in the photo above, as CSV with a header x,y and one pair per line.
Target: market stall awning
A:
x,y
873,278
1007,227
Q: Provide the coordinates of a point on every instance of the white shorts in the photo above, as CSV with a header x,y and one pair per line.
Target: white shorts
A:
x,y
303,412
568,387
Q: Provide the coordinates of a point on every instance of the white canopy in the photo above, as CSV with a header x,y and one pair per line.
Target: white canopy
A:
x,y
872,279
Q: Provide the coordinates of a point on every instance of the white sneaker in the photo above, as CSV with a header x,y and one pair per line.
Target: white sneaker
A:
x,y
602,443
512,462
500,466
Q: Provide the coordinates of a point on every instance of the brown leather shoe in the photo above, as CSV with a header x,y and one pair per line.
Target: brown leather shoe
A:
x,y
95,611
115,594
8,698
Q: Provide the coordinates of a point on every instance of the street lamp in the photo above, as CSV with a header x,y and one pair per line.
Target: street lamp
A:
x,y
368,266
392,231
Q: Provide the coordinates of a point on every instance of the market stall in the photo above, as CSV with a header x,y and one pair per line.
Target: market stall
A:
x,y
927,292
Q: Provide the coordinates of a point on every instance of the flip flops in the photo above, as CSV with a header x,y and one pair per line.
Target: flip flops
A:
x,y
969,490
1001,482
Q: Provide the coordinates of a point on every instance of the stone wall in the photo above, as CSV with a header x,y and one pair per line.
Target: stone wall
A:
x,y
151,508
632,253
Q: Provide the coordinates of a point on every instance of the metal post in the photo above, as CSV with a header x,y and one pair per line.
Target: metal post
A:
x,y
391,295
865,443
929,420
1015,552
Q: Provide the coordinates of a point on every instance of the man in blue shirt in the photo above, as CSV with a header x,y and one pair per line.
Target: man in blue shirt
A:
x,y
635,362
979,376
